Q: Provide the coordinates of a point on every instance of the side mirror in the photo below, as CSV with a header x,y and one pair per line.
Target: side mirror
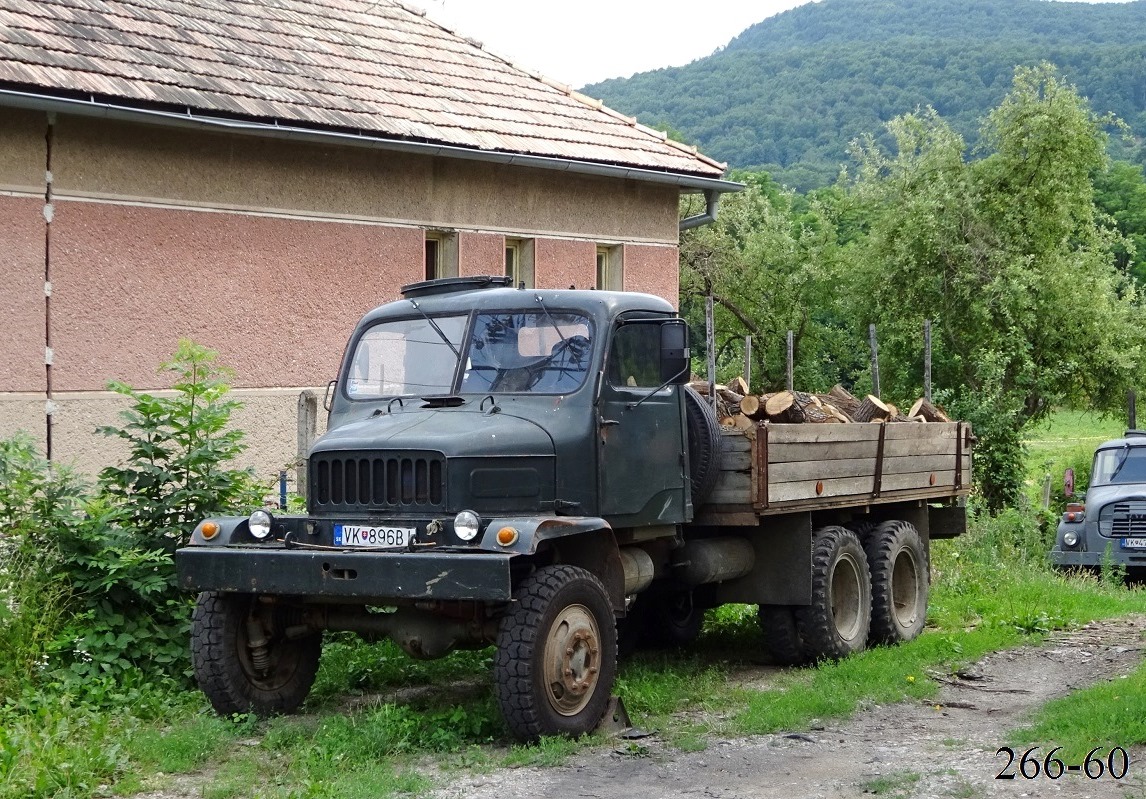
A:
x,y
676,358
1068,483
326,399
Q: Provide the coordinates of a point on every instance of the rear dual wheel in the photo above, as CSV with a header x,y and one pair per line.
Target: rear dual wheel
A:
x,y
899,582
835,624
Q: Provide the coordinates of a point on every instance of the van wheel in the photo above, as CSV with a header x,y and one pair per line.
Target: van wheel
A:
x,y
899,582
556,654
781,636
243,660
836,624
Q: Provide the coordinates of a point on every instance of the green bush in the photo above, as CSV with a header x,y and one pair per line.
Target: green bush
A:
x,y
87,581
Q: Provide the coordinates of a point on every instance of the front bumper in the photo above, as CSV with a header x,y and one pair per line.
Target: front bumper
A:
x,y
372,577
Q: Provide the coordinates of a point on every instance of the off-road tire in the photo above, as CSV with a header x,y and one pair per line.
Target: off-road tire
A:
x,y
704,443
222,661
558,632
836,624
782,638
899,582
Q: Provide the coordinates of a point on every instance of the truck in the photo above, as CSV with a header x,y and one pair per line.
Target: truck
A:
x,y
1109,525
529,469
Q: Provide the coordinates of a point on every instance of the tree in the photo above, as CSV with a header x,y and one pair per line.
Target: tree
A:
x,y
1007,256
768,261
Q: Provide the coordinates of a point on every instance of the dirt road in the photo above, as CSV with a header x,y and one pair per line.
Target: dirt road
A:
x,y
944,749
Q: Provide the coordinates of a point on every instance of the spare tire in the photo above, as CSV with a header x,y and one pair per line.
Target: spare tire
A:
x,y
703,446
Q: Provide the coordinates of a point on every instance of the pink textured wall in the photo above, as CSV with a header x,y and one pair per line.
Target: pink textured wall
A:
x,y
276,297
481,254
654,270
22,294
561,263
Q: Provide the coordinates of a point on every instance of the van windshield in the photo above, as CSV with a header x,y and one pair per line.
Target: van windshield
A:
x,y
534,352
1116,466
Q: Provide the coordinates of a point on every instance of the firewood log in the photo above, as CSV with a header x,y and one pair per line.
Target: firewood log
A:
x,y
871,409
929,412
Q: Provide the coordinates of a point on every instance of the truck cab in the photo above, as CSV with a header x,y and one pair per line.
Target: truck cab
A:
x,y
1110,525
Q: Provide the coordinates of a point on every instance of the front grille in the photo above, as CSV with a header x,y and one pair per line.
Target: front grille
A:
x,y
1128,518
406,481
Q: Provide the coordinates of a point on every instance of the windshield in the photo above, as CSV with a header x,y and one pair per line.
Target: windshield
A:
x,y
1122,465
406,357
537,352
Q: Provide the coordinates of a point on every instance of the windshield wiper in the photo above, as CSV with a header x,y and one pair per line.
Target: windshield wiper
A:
x,y
549,316
438,330
1122,456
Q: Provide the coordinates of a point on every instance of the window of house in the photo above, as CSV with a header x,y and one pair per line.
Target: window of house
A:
x,y
441,254
519,261
610,270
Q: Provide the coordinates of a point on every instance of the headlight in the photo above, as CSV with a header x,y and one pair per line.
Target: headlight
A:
x,y
467,525
259,523
1070,538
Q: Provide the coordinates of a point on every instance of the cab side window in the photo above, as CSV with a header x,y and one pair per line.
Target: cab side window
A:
x,y
634,357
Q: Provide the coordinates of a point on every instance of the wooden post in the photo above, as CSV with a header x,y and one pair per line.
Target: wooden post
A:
x,y
710,345
927,359
307,433
790,355
748,361
874,360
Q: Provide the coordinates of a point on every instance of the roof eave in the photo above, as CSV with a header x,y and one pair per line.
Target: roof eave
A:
x,y
197,120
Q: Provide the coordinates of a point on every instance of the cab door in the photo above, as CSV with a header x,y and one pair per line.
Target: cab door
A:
x,y
641,438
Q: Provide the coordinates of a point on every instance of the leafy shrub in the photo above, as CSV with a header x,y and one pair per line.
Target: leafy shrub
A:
x,y
87,581
174,476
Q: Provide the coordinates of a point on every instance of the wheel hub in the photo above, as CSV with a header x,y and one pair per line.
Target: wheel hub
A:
x,y
572,659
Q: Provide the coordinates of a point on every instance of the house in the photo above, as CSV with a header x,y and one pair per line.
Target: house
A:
x,y
255,175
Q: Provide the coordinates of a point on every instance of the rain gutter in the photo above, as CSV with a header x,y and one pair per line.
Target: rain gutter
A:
x,y
712,187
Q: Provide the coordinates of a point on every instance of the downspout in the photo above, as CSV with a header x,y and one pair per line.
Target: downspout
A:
x,y
711,201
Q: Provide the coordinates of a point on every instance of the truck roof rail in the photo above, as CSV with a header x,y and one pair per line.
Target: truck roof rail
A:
x,y
449,285
1133,433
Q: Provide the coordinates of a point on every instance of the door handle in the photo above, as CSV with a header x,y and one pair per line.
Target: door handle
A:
x,y
607,422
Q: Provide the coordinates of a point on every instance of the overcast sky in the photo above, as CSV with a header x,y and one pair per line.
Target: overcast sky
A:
x,y
590,40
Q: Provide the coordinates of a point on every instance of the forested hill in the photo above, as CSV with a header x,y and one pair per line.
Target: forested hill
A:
x,y
789,93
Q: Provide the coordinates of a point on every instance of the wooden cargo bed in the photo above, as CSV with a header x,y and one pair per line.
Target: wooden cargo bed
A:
x,y
777,468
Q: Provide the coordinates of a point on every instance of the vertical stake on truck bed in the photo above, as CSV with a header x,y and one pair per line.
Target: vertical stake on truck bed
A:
x,y
877,484
959,434
874,360
761,482
710,346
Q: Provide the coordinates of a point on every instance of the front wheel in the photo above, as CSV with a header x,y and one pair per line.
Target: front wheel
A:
x,y
556,654
243,659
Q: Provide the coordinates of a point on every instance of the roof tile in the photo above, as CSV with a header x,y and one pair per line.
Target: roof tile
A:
x,y
367,65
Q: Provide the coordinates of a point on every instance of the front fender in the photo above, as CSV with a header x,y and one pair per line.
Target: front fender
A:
x,y
533,530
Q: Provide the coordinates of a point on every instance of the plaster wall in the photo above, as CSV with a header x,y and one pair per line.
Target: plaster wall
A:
x,y
132,162
22,294
653,270
559,264
481,254
275,297
23,150
269,418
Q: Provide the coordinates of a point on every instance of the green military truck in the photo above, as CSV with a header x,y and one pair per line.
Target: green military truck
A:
x,y
529,469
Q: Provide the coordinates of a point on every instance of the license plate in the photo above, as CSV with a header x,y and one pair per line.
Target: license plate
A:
x,y
355,535
1134,543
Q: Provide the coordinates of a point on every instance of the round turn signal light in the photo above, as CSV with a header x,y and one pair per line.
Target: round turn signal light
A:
x,y
507,536
209,530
